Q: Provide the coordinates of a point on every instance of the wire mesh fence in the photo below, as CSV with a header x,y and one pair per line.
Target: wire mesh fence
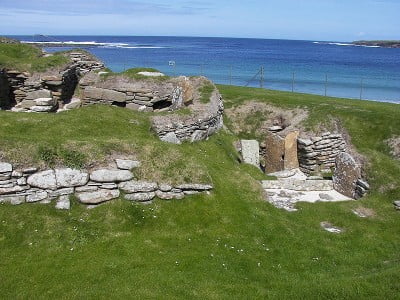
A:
x,y
316,82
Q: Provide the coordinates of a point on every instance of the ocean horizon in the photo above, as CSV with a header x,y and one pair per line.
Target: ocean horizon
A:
x,y
332,68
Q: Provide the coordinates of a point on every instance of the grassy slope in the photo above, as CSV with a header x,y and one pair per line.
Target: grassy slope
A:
x,y
28,58
193,248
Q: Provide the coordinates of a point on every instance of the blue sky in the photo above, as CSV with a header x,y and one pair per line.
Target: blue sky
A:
x,y
336,20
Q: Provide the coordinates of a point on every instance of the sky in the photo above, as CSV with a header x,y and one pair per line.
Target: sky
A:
x,y
322,20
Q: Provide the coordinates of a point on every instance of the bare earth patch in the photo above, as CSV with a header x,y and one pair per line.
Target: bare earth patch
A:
x,y
364,212
257,117
394,144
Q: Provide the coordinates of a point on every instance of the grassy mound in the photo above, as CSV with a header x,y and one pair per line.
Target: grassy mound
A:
x,y
133,73
28,58
230,244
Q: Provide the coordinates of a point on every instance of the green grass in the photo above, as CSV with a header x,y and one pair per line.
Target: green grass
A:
x,y
230,244
205,92
134,74
28,58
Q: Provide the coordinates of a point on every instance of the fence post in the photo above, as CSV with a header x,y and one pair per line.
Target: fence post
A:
x,y
326,84
262,77
293,82
361,88
230,75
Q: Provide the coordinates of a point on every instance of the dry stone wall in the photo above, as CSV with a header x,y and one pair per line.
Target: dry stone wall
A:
x,y
138,94
46,92
319,153
205,120
90,188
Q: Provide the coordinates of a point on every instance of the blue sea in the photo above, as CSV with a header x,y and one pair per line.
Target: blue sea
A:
x,y
332,68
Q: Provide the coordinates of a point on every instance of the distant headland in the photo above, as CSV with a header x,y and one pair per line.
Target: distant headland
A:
x,y
379,43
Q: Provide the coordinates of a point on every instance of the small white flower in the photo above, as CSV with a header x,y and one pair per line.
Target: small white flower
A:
x,y
72,249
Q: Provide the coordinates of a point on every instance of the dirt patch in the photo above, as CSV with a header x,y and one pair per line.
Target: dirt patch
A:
x,y
394,144
364,212
255,118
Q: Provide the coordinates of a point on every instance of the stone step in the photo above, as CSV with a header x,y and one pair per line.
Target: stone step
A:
x,y
298,185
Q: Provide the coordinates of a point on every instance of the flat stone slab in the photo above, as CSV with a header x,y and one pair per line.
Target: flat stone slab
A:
x,y
287,199
126,164
97,196
298,185
171,137
138,186
5,167
330,228
195,187
106,175
170,195
37,196
251,152
44,102
140,197
70,178
289,174
12,190
63,203
43,180
38,108
152,74
12,199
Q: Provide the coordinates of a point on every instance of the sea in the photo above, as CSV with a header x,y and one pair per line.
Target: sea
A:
x,y
333,68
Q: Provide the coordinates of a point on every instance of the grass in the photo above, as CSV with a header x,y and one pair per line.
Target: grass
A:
x,y
229,244
27,58
205,92
134,74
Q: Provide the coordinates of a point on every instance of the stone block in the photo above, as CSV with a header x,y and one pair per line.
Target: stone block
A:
x,y
250,152
70,178
347,173
126,164
290,160
171,137
5,167
38,94
274,153
43,180
140,197
103,94
138,186
97,197
106,175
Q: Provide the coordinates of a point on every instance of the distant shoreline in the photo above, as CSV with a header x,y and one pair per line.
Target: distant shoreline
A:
x,y
383,43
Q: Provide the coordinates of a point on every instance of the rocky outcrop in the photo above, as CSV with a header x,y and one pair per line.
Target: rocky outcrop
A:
x,y
90,188
319,153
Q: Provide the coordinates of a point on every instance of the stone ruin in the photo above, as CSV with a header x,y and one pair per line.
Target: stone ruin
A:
x,y
84,82
45,92
91,188
301,165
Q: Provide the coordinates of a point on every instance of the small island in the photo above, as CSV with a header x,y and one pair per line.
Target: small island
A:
x,y
379,43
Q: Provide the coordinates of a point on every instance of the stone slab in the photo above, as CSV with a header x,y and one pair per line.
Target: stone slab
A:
x,y
250,152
